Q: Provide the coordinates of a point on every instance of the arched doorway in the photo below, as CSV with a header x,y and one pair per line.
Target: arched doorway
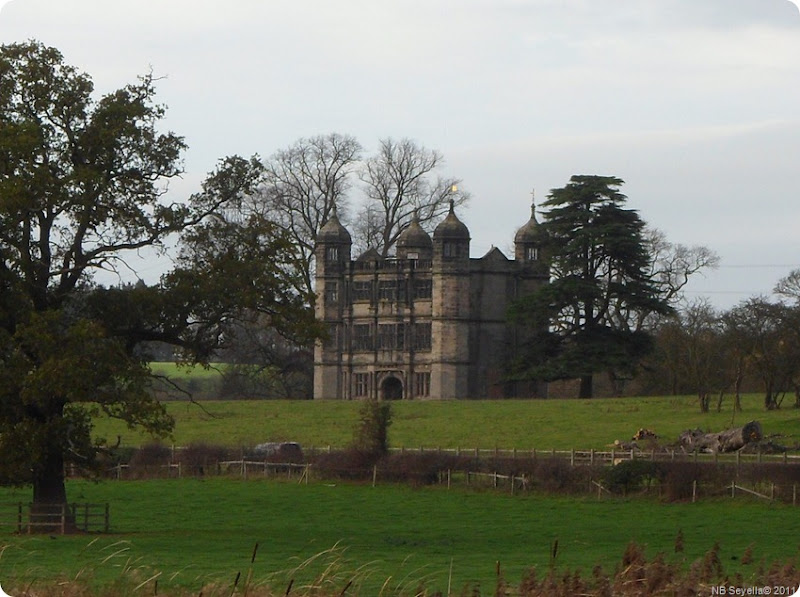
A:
x,y
392,389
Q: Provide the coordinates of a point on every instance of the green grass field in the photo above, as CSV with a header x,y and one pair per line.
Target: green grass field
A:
x,y
190,533
507,424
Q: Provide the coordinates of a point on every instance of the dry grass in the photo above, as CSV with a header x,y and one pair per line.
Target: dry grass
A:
x,y
633,576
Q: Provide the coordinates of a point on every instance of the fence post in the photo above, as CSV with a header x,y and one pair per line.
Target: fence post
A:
x,y
86,517
374,474
448,478
694,490
19,517
63,519
733,489
572,457
106,518
794,494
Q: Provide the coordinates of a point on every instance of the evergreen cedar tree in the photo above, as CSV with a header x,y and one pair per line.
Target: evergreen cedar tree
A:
x,y
598,260
82,184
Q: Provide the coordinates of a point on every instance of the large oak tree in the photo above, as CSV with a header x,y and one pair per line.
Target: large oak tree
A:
x,y
83,184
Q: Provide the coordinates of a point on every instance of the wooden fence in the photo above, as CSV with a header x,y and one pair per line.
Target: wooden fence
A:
x,y
612,456
55,518
244,468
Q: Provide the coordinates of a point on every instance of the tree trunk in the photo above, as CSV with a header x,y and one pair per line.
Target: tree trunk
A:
x,y
737,402
729,440
704,401
50,494
735,439
586,387
769,399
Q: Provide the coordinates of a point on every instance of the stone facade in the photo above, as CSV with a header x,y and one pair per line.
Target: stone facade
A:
x,y
429,323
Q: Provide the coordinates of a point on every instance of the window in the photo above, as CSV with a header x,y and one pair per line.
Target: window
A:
x,y
450,249
423,289
422,384
387,290
362,339
413,256
362,291
391,336
331,292
531,253
360,385
332,253
422,336
332,340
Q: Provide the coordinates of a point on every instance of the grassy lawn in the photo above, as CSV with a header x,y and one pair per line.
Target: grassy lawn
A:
x,y
508,424
193,533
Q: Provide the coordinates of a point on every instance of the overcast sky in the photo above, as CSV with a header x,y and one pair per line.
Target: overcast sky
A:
x,y
694,103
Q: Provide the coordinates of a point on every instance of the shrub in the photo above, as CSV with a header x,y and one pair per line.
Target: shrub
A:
x,y
417,469
197,457
149,459
371,436
344,464
631,475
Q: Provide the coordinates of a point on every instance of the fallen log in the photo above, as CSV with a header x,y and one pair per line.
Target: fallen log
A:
x,y
736,439
729,440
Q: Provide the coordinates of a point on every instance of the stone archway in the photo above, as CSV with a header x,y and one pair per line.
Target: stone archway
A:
x,y
391,388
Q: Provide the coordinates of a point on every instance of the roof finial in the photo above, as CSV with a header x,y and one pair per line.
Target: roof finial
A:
x,y
453,191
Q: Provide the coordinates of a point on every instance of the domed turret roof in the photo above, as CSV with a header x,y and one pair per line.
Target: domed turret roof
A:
x,y
451,228
333,231
414,236
531,231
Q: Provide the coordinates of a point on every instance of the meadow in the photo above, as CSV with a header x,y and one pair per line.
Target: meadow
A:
x,y
507,424
199,534
188,534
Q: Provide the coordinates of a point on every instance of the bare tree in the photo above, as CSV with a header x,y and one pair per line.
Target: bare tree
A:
x,y
399,182
670,268
770,332
302,185
704,362
789,287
